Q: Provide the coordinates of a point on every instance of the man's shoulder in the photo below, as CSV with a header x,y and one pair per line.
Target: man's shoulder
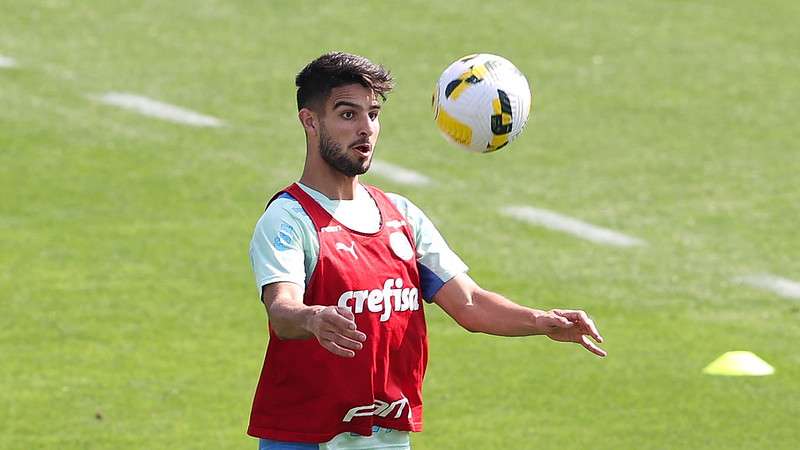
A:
x,y
284,203
406,207
284,209
416,218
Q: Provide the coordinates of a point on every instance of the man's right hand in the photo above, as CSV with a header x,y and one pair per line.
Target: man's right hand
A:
x,y
335,329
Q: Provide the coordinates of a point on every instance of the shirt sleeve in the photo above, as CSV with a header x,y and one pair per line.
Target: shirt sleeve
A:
x,y
276,250
437,263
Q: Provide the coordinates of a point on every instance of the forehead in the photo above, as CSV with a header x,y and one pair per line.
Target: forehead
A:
x,y
353,93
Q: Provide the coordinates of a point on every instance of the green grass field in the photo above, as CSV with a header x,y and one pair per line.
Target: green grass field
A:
x,y
128,313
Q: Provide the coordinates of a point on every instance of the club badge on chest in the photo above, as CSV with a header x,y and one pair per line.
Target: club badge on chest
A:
x,y
400,246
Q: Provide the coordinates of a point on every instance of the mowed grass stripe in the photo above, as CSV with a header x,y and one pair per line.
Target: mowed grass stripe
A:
x,y
160,110
783,287
558,222
398,174
7,62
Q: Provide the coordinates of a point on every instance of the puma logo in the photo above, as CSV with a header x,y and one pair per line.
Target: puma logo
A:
x,y
348,248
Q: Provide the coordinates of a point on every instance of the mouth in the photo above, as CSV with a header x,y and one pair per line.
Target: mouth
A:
x,y
364,149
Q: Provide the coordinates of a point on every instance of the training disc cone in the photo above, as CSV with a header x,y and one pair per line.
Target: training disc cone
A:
x,y
739,364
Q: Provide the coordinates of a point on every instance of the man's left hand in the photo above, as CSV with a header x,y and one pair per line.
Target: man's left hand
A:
x,y
581,330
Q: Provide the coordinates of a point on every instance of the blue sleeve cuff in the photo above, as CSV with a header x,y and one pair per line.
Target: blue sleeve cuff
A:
x,y
430,283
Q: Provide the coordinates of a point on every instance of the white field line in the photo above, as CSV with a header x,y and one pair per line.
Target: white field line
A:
x,y
7,63
157,109
77,119
781,286
575,227
398,174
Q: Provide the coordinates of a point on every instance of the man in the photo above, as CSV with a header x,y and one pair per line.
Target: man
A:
x,y
342,268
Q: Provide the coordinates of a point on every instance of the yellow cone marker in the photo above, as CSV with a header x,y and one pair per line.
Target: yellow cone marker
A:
x,y
739,364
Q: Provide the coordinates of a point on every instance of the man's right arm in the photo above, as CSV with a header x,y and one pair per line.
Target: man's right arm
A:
x,y
333,326
278,253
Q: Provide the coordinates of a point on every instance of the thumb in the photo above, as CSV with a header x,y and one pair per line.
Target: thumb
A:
x,y
552,320
562,322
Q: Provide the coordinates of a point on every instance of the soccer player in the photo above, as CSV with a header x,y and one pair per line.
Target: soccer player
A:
x,y
344,270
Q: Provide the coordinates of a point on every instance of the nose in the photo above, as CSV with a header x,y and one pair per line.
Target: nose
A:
x,y
366,126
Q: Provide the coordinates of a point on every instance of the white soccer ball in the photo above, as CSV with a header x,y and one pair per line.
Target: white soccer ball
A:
x,y
481,102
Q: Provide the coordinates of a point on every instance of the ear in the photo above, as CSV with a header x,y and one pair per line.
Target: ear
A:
x,y
309,120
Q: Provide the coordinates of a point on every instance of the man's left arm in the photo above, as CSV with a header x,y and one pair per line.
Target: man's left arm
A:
x,y
481,311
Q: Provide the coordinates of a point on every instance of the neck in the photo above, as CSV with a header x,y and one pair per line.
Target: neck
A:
x,y
320,176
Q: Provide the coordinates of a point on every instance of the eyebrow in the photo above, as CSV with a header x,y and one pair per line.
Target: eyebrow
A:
x,y
353,105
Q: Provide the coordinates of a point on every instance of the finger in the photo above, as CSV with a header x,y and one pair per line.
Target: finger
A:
x,y
337,350
556,321
338,321
592,347
340,325
570,314
346,342
583,319
591,326
565,313
342,340
355,335
346,313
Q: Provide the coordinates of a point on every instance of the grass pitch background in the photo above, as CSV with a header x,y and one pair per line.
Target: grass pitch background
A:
x,y
128,316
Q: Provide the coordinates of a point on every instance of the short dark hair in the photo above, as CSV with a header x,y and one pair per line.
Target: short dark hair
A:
x,y
331,70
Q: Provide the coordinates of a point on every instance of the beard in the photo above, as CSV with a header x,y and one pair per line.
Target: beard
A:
x,y
338,158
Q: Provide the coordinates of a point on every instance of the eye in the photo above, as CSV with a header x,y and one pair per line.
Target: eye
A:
x,y
348,115
373,115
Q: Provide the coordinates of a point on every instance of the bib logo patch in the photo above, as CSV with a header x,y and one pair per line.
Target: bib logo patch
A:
x,y
392,297
380,408
400,246
348,248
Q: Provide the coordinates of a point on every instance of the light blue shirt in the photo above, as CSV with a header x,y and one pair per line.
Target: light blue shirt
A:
x,y
285,246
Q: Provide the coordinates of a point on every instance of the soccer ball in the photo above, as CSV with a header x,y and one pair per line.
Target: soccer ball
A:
x,y
481,102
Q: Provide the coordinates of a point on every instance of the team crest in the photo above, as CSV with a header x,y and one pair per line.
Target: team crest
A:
x,y
400,246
